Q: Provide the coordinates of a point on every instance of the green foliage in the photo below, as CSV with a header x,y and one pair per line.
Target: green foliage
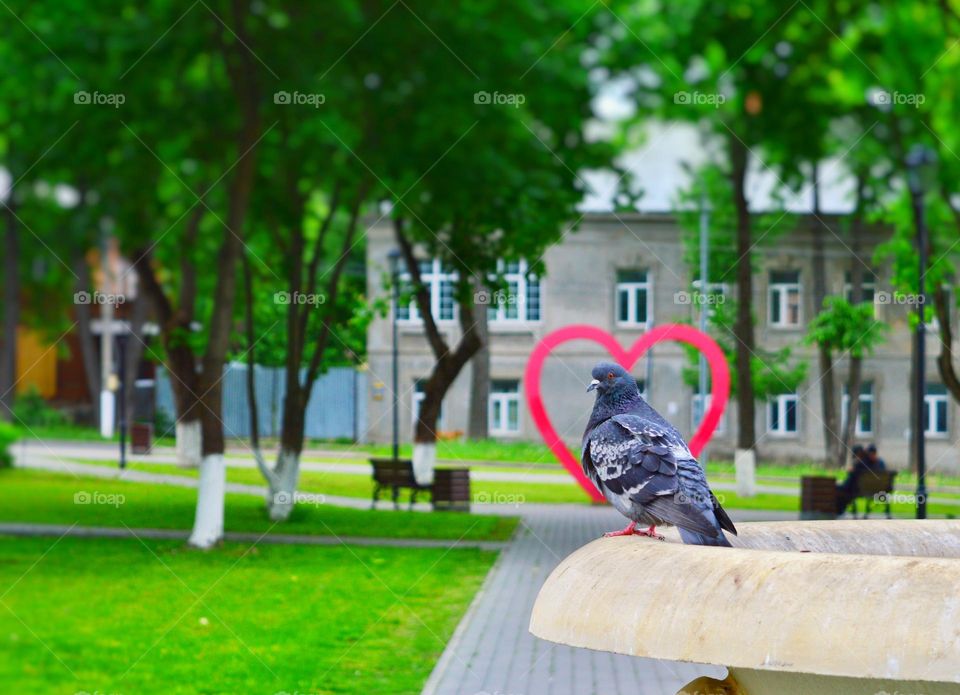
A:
x,y
8,435
31,410
845,328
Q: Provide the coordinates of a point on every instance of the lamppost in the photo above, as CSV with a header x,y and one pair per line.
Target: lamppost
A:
x,y
121,396
918,160
394,257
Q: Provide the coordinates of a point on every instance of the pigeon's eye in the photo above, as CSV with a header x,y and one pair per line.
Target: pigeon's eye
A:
x,y
609,375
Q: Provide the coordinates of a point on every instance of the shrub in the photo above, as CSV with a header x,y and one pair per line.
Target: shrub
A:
x,y
32,410
8,435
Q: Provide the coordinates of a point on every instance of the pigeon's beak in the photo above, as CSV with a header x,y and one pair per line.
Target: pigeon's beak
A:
x,y
593,385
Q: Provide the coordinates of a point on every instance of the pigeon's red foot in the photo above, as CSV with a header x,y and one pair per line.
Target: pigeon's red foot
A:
x,y
629,530
651,533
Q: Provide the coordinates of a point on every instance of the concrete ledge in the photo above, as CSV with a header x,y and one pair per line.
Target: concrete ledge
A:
x,y
868,603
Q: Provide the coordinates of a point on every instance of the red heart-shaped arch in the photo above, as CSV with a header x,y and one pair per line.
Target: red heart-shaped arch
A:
x,y
719,373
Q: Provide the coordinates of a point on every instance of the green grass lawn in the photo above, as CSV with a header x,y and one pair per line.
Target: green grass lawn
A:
x,y
118,616
352,485
41,497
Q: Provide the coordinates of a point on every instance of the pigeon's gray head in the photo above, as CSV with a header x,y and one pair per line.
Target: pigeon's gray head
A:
x,y
612,380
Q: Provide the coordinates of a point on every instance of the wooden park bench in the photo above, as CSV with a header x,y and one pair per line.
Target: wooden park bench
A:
x,y
450,489
818,494
874,487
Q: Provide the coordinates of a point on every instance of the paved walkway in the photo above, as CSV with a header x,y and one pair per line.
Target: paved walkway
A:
x,y
493,652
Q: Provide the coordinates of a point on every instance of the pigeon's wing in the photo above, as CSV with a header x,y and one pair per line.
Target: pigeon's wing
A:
x,y
666,455
635,468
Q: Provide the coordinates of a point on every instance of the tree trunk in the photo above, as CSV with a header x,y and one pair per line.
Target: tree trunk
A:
x,y
88,344
447,366
11,310
942,301
134,351
241,69
478,426
181,363
828,396
743,326
854,378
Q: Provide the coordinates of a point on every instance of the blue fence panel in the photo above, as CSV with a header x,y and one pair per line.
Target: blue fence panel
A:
x,y
334,411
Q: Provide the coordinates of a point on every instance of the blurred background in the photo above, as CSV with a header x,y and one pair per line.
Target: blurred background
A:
x,y
246,242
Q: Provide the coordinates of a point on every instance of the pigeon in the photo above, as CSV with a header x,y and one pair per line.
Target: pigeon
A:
x,y
642,465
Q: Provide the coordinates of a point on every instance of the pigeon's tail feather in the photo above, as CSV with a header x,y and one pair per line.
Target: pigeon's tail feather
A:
x,y
695,538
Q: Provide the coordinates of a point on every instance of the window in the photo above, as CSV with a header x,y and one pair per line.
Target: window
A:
x,y
783,298
439,283
782,414
634,296
935,410
521,300
869,287
699,405
864,423
504,407
418,395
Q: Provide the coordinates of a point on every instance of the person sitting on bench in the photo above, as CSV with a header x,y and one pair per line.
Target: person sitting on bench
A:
x,y
848,488
876,464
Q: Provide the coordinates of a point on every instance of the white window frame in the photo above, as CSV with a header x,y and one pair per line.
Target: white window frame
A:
x,y
632,288
501,427
930,402
524,280
780,402
433,280
695,403
783,290
864,398
869,284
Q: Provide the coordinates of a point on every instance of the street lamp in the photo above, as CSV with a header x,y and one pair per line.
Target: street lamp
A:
x,y
121,396
394,257
918,162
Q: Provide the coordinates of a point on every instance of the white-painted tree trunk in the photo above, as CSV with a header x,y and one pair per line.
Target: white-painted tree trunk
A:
x,y
424,461
188,443
208,522
745,468
283,485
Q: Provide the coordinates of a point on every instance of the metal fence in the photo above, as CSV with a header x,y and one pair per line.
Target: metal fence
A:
x,y
335,409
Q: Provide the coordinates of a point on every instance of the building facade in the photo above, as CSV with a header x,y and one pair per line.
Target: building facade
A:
x,y
626,274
